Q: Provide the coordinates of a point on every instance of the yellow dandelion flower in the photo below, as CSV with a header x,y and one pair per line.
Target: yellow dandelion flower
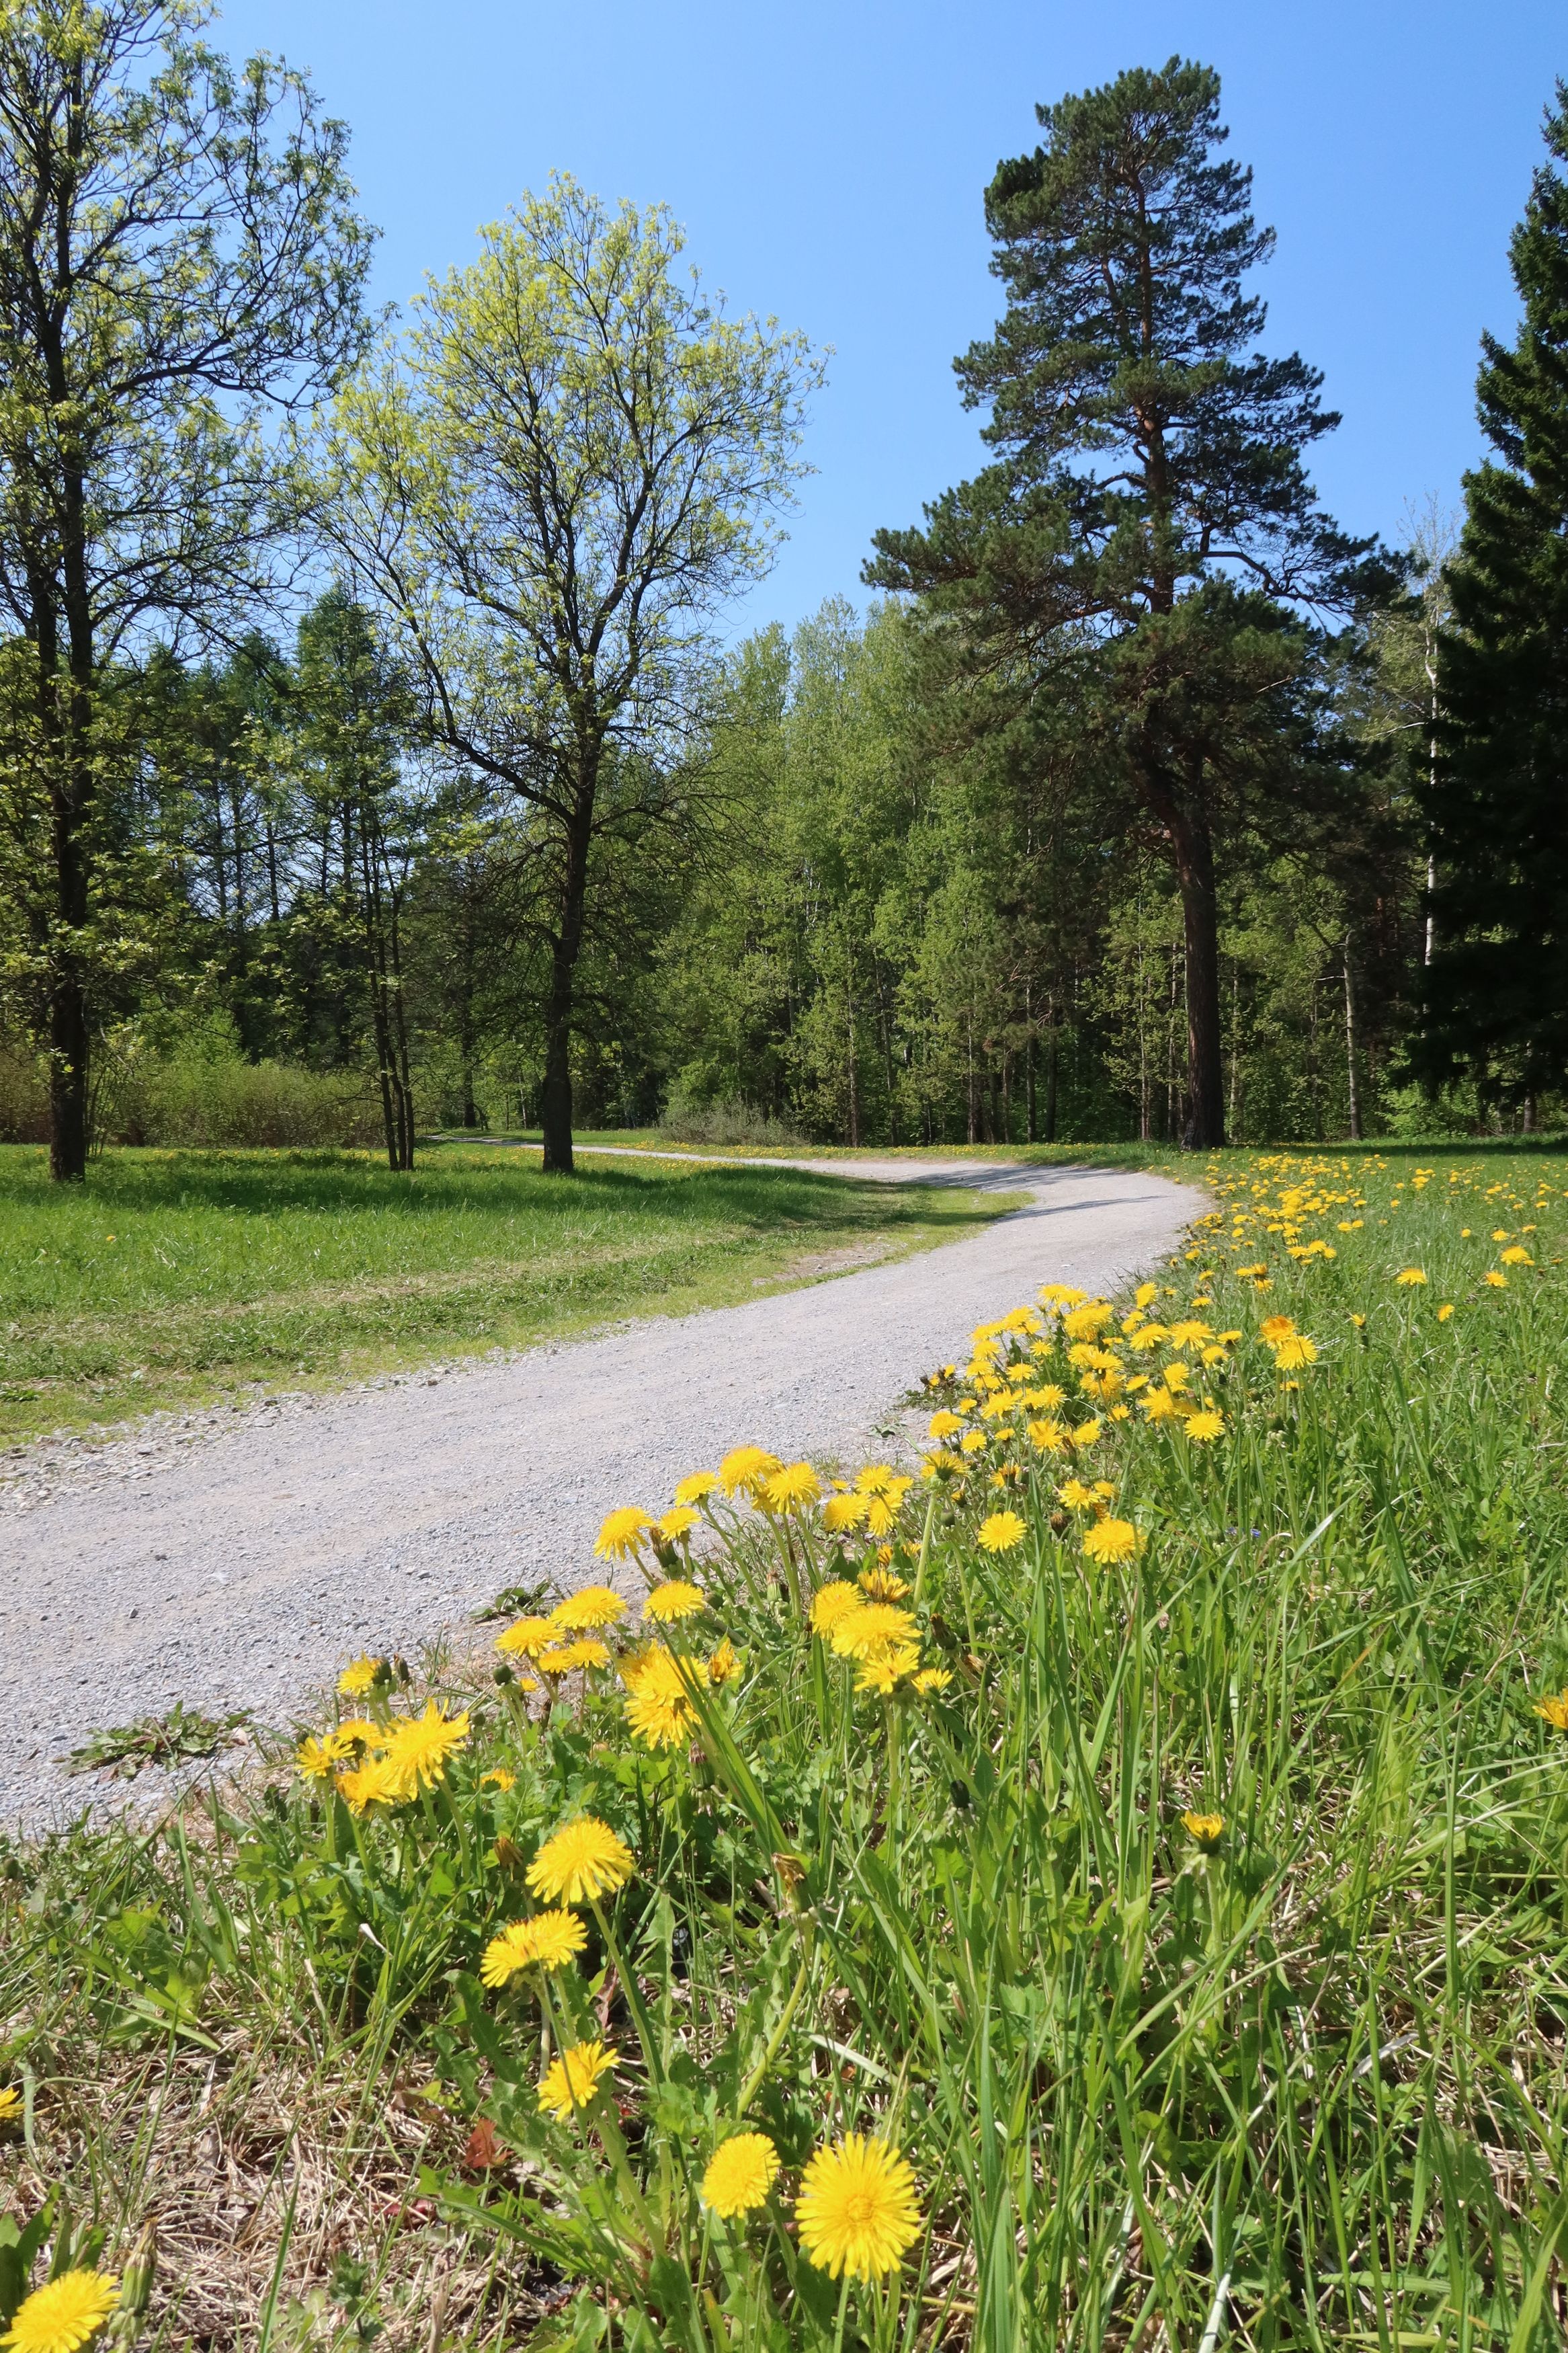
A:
x,y
1208,1829
658,1705
1206,1425
740,2175
360,1676
526,1637
859,2209
876,1478
571,1658
973,1441
64,2315
583,1612
677,1523
10,2104
1554,1708
1160,1404
842,1512
678,1597
1048,1436
882,1511
831,1602
944,1425
1275,1328
319,1759
1059,1294
498,1778
1146,1294
932,1679
1445,1310
1495,1280
418,1751
1076,1496
1411,1277
745,1470
572,2082
1296,1351
584,1859
885,1670
1517,1256
1087,1433
548,1941
692,1490
1109,1541
1001,1532
881,1584
870,1628
791,1490
724,1663
364,1785
621,1533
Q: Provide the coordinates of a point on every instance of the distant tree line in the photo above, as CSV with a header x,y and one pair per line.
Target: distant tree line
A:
x,y
364,709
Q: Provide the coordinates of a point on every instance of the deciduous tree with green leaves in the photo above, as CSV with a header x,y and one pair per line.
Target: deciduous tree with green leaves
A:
x,y
553,487
178,251
1149,514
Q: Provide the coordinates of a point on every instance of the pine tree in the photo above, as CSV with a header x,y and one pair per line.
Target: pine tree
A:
x,y
1149,506
1497,801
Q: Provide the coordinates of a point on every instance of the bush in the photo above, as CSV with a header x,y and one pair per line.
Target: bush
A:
x,y
731,1122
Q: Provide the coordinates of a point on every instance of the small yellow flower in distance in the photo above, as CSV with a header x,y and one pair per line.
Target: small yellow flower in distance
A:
x,y
842,1512
724,1663
571,2080
418,1751
658,1705
1089,1322
571,1658
1517,1256
1175,1378
584,1859
740,2175
1499,1233
1146,1294
790,1491
677,1524
859,2211
1208,1829
932,1679
1048,1436
745,1471
881,1584
1296,1351
1060,1295
1275,1328
693,1489
1445,1310
1205,1426
1001,1532
10,2104
831,1602
583,1612
64,2315
1077,1496
1109,1541
526,1637
673,1600
1496,1282
1554,1708
944,1425
1359,1322
621,1533
1160,1404
359,1678
318,1758
973,1441
885,1670
364,1785
498,1778
882,1511
877,1477
1410,1276
548,1941
1086,1434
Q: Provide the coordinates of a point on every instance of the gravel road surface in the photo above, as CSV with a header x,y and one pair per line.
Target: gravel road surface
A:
x,y
236,1557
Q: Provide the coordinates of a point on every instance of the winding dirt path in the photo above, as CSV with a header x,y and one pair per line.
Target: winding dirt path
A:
x,y
235,1560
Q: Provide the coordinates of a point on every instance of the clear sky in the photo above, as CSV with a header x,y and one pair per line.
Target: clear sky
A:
x,y
827,162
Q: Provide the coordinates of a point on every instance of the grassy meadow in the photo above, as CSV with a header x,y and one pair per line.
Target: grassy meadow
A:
x,y
1108,1889
175,1278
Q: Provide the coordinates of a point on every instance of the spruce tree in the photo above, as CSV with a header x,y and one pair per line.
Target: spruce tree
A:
x,y
1497,796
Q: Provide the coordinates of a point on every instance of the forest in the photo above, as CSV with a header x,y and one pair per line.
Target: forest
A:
x,y
378,756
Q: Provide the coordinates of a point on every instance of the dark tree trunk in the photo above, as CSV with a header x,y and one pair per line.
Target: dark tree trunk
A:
x,y
1193,856
555,1106
1052,1061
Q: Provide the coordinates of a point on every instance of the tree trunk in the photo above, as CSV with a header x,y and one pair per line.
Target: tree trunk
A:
x,y
1052,1061
555,1104
1351,1073
1205,1128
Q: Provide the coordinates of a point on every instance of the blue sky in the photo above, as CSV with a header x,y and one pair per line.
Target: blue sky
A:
x,y
827,162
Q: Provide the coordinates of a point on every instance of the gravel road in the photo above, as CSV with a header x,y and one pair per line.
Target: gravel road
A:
x,y
235,1558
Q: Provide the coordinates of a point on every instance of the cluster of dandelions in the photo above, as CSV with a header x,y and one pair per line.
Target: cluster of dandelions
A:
x,y
382,1759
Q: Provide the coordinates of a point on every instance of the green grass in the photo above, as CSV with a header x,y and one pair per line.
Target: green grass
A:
x,y
173,1278
1299,2084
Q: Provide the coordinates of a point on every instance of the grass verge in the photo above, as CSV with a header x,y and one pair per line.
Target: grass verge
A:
x,y
175,1278
1149,1827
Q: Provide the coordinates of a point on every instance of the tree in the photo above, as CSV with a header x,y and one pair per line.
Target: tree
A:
x,y
1151,501
551,492
177,249
1497,796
